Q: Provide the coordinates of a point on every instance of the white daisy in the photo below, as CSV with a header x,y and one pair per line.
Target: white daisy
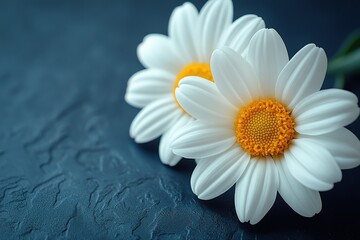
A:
x,y
186,51
265,126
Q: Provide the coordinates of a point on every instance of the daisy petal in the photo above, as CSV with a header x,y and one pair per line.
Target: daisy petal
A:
x,y
301,199
154,120
238,35
214,18
268,55
201,99
181,30
158,51
325,111
234,77
148,85
343,145
198,140
312,165
166,154
215,175
256,190
302,76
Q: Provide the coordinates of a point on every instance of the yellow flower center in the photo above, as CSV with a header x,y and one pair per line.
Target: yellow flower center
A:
x,y
194,69
265,128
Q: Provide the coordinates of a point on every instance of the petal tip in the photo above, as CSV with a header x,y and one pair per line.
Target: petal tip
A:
x,y
202,196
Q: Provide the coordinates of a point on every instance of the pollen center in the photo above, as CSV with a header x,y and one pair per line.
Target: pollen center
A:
x,y
194,69
265,128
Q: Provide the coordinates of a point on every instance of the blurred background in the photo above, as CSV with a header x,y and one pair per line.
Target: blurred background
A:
x,y
68,168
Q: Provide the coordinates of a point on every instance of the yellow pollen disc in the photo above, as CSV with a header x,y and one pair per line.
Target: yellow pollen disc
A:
x,y
265,128
194,69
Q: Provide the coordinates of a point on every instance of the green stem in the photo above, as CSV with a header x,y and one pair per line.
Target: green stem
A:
x,y
339,82
346,64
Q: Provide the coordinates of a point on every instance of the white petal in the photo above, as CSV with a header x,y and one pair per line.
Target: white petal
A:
x,y
301,199
181,30
214,18
166,154
255,192
234,77
154,120
201,99
158,51
238,35
302,76
325,111
199,140
215,175
312,165
268,55
343,145
148,85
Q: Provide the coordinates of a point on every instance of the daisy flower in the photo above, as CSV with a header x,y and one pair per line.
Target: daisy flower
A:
x,y
265,126
185,52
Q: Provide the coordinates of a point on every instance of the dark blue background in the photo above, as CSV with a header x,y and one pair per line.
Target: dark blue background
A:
x,y
68,168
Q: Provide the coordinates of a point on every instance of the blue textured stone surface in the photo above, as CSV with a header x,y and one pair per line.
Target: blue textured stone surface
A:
x,y
68,168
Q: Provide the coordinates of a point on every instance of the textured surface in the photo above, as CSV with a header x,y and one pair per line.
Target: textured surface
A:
x,y
68,168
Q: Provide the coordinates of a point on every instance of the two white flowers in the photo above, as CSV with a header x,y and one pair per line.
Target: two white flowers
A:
x,y
226,94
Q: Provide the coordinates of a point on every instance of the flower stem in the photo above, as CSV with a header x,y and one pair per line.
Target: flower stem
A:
x,y
339,82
